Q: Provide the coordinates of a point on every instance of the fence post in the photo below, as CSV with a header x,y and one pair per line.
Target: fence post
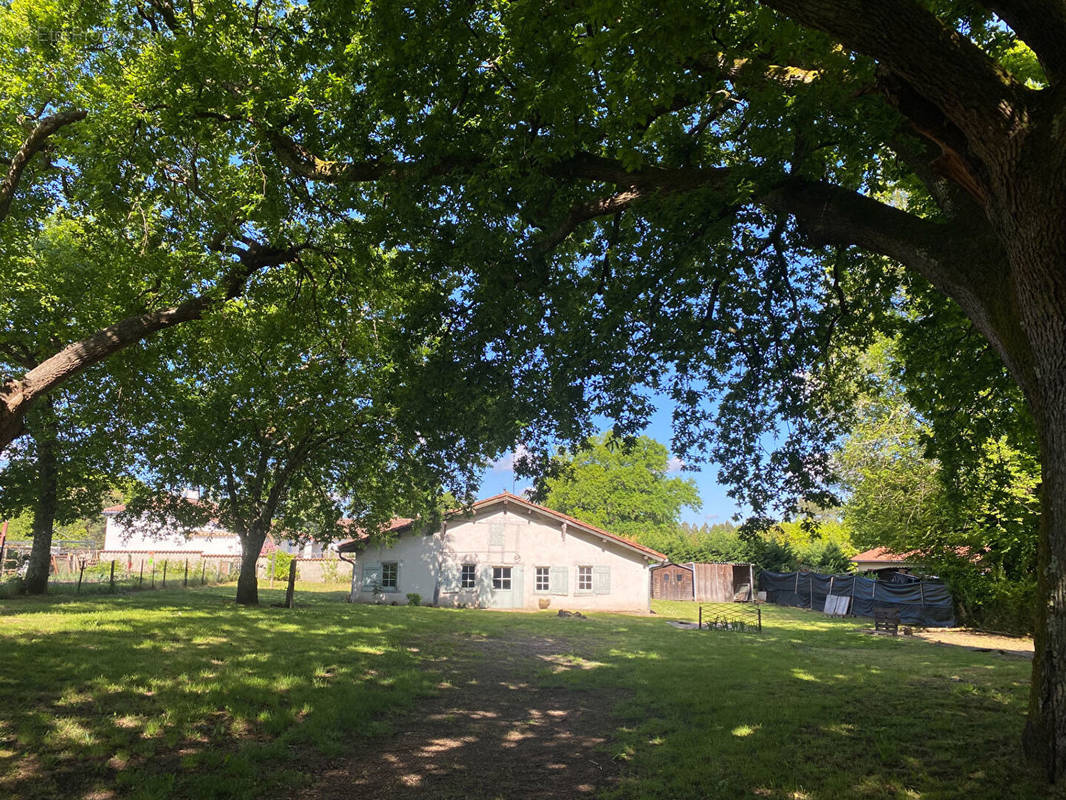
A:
x,y
164,573
140,577
203,571
759,618
153,573
699,625
185,582
112,575
80,573
292,584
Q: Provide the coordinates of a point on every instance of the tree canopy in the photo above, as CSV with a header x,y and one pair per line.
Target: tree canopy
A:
x,y
717,201
622,486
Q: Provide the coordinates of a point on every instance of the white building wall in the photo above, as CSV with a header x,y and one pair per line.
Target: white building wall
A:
x,y
521,539
142,537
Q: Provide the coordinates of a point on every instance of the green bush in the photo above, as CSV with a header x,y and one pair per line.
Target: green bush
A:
x,y
281,565
414,599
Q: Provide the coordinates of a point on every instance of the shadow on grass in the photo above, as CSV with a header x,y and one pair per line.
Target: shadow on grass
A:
x,y
185,695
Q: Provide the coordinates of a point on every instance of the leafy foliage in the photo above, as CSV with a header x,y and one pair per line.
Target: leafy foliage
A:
x,y
620,485
968,502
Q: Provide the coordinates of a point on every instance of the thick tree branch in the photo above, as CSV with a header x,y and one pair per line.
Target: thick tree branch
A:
x,y
307,165
33,144
962,265
18,395
951,72
1041,24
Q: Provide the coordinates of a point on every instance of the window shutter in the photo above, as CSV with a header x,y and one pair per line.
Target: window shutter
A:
x,y
371,576
449,577
601,580
559,580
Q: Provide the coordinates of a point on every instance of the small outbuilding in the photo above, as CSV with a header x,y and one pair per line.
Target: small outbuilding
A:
x,y
704,583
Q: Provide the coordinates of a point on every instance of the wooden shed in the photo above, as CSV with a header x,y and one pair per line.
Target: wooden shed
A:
x,y
704,583
672,582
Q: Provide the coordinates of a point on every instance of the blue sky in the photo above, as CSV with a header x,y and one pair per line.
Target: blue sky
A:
x,y
717,507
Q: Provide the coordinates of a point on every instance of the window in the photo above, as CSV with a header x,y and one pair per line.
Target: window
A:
x,y
468,577
390,570
584,579
543,583
680,578
501,578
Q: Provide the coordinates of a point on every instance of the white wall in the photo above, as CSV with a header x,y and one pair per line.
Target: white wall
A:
x,y
140,537
521,539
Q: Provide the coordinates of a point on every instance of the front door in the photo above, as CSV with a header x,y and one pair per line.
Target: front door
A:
x,y
506,584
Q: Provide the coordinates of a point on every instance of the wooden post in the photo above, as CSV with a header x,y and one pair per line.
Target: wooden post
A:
x,y
185,582
751,581
292,584
203,571
140,576
759,618
3,547
164,573
699,625
153,573
80,573
112,575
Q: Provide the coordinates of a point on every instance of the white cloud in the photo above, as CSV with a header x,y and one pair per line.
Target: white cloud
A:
x,y
505,463
675,464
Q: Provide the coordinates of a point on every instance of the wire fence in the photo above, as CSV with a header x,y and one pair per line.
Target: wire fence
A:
x,y
84,574
730,617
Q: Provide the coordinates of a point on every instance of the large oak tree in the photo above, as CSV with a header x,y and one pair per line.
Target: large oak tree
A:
x,y
727,188
708,200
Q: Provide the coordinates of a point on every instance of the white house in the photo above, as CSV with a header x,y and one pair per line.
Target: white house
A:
x,y
122,538
506,553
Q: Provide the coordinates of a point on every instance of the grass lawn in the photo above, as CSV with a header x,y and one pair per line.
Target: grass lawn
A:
x,y
182,694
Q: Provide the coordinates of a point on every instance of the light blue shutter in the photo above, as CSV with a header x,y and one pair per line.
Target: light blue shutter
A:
x,y
449,577
517,595
559,580
371,576
601,580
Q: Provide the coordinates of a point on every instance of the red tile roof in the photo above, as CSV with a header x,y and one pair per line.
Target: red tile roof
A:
x,y
115,509
507,497
883,554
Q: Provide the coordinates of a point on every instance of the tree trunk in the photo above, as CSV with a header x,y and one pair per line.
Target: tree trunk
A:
x,y
1045,734
247,582
44,512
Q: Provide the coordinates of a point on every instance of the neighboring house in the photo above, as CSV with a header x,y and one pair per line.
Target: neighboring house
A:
x,y
122,537
884,562
506,553
704,583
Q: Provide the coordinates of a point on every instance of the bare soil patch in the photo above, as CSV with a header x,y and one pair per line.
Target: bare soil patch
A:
x,y
491,732
979,640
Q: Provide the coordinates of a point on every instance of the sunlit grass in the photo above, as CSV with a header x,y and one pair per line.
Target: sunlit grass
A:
x,y
182,694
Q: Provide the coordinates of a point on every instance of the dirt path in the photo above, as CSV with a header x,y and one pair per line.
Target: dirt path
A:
x,y
490,733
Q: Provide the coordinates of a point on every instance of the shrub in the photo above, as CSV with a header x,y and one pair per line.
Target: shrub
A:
x,y
281,565
414,599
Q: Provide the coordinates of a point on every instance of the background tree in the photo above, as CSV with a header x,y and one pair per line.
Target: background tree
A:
x,y
622,486
723,190
303,406
967,502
